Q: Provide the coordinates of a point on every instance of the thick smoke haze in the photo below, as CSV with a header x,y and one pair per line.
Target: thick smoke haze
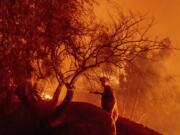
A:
x,y
165,116
156,94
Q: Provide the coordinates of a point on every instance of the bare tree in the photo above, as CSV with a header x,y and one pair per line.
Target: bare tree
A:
x,y
114,46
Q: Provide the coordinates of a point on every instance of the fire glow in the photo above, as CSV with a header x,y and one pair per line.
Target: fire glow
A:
x,y
46,96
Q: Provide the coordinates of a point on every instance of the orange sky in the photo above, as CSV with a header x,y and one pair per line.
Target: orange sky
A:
x,y
167,18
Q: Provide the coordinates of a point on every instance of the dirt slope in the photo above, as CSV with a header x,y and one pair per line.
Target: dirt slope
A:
x,y
87,119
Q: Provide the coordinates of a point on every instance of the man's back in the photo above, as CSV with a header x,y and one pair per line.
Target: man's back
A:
x,y
108,99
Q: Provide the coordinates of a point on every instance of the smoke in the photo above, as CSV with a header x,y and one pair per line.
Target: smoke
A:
x,y
149,92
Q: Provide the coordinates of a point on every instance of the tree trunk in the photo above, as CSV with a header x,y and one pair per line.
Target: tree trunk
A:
x,y
67,100
60,109
56,94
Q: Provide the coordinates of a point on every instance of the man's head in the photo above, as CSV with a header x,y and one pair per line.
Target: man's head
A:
x,y
104,81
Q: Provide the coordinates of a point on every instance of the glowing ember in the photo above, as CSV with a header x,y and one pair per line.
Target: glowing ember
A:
x,y
46,96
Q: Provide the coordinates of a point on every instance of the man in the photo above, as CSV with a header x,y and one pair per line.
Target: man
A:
x,y
108,101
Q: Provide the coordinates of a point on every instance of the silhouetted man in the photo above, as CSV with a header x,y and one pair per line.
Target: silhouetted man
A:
x,y
108,98
108,101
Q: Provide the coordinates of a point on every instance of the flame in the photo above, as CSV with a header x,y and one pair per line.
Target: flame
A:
x,y
46,96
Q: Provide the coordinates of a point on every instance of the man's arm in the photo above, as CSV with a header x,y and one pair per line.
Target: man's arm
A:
x,y
96,92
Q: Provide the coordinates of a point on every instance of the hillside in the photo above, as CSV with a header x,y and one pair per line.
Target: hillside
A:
x,y
87,119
